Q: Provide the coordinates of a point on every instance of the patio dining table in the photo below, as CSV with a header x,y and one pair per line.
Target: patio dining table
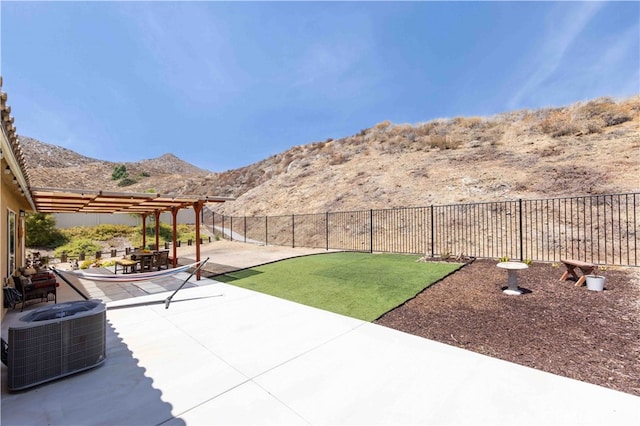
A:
x,y
146,259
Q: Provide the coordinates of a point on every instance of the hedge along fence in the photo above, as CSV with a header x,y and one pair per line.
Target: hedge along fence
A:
x,y
602,229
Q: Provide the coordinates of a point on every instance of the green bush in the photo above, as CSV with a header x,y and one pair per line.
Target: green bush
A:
x,y
165,233
86,264
42,232
87,239
127,182
103,232
119,172
77,246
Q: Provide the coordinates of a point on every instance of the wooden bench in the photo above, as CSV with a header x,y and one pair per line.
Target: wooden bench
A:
x,y
126,265
571,265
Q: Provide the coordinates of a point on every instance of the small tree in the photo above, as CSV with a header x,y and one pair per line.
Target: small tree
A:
x,y
119,172
42,231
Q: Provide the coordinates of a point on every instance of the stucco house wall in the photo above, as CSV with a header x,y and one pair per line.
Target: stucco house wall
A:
x,y
15,199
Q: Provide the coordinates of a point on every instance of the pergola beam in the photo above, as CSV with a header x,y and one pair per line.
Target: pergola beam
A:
x,y
59,200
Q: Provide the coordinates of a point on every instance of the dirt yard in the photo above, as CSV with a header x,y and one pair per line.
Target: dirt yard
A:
x,y
554,326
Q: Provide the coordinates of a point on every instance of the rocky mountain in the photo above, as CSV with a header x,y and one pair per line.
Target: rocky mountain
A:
x,y
586,148
55,166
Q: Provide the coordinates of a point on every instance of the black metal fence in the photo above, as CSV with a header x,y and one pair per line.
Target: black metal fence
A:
x,y
601,229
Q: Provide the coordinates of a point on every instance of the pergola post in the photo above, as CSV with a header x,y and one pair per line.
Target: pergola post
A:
x,y
157,214
174,213
144,230
197,208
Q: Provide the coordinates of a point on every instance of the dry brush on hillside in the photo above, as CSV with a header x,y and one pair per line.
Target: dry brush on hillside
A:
x,y
586,148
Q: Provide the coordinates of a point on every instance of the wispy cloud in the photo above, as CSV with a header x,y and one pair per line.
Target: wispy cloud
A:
x,y
326,61
334,69
615,56
563,28
188,48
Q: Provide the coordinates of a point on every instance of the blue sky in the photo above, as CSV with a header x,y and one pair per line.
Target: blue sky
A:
x,y
223,85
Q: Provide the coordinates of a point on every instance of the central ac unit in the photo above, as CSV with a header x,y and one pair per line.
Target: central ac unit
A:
x,y
55,341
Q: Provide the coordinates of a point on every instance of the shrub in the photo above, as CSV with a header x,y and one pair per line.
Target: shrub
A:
x,y
86,264
77,246
558,123
119,172
88,239
42,232
103,232
183,233
468,122
443,142
338,158
127,182
616,116
382,125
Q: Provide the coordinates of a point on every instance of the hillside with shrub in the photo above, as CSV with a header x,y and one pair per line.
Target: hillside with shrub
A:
x,y
585,148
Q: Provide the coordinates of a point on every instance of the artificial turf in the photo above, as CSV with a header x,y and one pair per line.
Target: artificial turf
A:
x,y
359,285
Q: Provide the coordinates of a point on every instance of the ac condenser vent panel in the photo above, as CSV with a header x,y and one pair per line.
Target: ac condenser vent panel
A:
x,y
55,341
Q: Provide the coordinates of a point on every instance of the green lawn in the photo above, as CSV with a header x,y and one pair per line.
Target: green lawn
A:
x,y
359,285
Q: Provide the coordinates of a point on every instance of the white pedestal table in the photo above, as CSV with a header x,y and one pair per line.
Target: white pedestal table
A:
x,y
512,269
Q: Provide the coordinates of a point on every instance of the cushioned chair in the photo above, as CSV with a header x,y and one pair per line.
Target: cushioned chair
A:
x,y
127,266
146,263
161,260
36,286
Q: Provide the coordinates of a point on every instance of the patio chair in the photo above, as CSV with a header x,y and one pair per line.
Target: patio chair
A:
x,y
127,265
146,263
161,260
38,286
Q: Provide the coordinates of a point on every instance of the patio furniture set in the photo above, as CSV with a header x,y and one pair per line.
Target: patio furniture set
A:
x,y
143,261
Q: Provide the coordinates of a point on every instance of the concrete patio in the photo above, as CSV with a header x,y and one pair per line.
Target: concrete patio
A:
x,y
226,355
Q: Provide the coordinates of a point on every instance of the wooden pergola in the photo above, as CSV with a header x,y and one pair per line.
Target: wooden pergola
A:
x,y
59,200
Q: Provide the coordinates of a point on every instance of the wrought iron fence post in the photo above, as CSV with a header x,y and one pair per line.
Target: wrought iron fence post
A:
x,y
326,231
245,229
433,253
371,230
231,228
520,228
293,230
